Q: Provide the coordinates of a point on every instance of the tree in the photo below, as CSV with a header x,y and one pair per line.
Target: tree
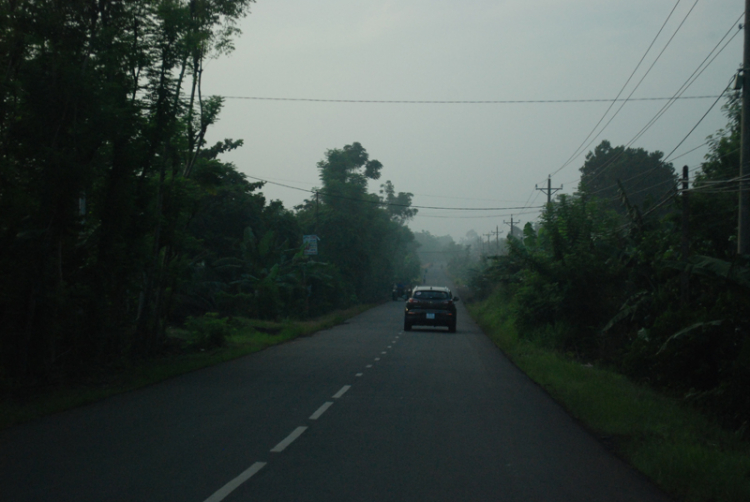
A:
x,y
713,201
96,134
364,239
645,177
398,206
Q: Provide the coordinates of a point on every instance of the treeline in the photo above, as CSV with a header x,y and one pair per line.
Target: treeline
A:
x,y
118,220
636,274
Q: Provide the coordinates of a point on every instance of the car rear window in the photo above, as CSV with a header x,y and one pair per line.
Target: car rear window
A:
x,y
431,295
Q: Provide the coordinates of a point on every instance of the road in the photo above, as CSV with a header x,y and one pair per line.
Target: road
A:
x,y
359,412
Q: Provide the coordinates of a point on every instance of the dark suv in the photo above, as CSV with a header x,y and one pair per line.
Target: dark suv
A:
x,y
431,306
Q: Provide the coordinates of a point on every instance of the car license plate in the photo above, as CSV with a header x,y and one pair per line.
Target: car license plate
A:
x,y
430,316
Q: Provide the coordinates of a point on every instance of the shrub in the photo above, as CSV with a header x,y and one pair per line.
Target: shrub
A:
x,y
209,331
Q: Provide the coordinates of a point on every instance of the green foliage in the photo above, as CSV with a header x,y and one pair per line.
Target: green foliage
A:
x,y
643,176
363,236
210,331
679,449
614,285
101,127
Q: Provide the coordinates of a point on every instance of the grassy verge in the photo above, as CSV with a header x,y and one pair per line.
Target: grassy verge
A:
x,y
248,336
682,451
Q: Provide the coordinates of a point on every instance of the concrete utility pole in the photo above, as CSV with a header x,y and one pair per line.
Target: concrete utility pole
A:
x,y
496,233
488,242
549,190
743,227
511,224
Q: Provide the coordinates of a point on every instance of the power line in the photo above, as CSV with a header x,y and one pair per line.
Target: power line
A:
x,y
579,149
440,217
690,80
381,203
645,173
690,151
666,159
476,102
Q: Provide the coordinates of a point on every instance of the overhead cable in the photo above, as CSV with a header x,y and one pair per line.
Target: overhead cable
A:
x,y
467,102
581,146
690,80
392,204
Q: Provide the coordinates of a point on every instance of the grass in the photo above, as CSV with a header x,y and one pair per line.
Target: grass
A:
x,y
681,450
247,336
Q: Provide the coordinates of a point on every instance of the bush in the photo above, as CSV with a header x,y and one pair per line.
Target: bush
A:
x,y
210,330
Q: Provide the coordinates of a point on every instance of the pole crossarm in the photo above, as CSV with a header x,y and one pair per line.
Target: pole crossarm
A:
x,y
549,190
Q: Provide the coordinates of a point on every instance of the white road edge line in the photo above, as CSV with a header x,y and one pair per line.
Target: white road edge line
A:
x,y
289,439
342,391
228,488
321,410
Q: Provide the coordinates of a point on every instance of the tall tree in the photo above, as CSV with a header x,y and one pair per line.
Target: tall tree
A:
x,y
93,136
644,176
361,235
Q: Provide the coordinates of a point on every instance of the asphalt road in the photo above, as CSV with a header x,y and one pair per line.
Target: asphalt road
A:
x,y
360,412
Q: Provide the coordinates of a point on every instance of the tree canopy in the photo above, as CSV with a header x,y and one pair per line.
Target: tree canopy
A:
x,y
643,176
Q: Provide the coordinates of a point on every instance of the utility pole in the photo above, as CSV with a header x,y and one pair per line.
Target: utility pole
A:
x,y
511,224
549,190
685,245
743,226
488,242
496,233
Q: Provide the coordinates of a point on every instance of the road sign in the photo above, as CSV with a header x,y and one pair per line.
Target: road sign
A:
x,y
311,244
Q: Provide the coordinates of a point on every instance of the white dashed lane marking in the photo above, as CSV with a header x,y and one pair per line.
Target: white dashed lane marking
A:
x,y
289,439
228,488
321,410
342,391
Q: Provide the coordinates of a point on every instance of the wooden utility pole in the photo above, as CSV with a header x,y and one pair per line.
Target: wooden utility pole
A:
x,y
549,190
743,227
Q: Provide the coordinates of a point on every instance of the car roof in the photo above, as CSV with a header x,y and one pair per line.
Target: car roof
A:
x,y
432,288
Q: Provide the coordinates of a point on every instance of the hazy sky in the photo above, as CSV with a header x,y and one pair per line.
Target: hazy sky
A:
x,y
467,155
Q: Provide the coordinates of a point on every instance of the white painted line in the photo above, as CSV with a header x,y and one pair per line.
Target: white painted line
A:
x,y
359,374
377,359
389,347
368,366
383,352
342,391
289,439
321,410
228,488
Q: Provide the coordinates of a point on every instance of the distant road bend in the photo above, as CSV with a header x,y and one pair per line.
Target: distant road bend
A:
x,y
360,412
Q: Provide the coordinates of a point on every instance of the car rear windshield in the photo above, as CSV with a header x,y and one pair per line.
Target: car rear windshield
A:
x,y
431,295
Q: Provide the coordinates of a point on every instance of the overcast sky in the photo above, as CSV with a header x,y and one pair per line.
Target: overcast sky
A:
x,y
467,155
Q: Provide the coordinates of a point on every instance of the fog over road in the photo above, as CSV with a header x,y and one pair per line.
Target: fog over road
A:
x,y
360,412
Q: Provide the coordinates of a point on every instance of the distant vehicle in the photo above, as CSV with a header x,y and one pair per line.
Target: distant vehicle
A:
x,y
399,290
431,306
